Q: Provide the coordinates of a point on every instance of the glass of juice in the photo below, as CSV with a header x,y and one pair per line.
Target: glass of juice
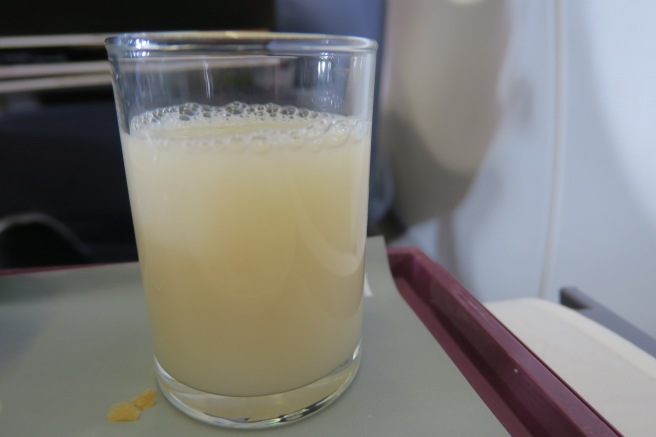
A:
x,y
247,159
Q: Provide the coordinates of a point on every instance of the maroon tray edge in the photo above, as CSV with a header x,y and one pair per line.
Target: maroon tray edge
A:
x,y
525,395
14,271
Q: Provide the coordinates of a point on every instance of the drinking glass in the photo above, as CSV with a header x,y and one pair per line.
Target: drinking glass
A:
x,y
247,160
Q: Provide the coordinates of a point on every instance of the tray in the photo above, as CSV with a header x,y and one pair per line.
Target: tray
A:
x,y
75,341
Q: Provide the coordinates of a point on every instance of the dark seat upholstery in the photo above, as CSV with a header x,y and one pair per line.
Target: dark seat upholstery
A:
x,y
65,162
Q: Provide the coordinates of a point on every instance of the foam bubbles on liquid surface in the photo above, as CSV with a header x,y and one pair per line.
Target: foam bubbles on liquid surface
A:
x,y
238,126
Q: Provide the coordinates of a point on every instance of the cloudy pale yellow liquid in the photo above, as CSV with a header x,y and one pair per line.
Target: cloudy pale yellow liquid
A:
x,y
251,234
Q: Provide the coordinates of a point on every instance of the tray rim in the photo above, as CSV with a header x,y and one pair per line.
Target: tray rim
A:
x,y
525,395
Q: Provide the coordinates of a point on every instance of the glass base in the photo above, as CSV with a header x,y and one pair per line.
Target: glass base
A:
x,y
259,411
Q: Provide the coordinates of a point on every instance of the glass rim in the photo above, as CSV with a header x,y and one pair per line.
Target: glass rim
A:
x,y
237,41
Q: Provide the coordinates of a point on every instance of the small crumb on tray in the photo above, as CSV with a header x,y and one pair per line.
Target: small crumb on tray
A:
x,y
131,411
145,400
123,412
